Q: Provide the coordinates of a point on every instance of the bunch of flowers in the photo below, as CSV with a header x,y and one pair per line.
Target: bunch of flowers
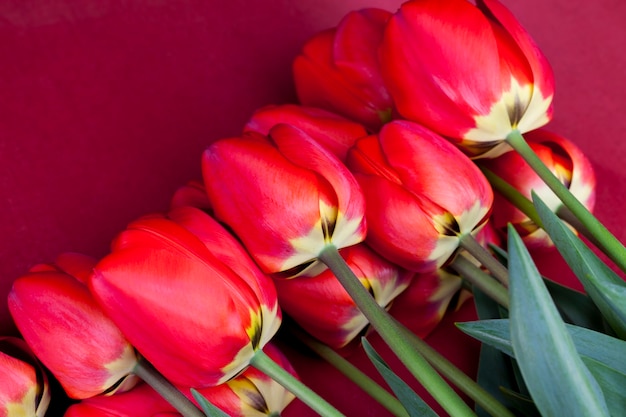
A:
x,y
414,175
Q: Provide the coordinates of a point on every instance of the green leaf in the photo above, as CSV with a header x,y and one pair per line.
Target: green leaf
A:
x,y
209,409
412,402
559,382
605,287
575,307
604,355
494,367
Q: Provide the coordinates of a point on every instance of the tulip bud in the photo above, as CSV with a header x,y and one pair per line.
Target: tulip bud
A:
x,y
422,194
338,69
196,314
333,132
24,384
322,307
285,198
252,393
69,332
141,401
568,164
470,73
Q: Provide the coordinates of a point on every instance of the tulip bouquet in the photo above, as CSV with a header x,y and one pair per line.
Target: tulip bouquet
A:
x,y
414,175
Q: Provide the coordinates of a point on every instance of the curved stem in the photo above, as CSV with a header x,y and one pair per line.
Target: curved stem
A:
x,y
480,279
393,335
482,255
609,244
170,393
265,364
354,374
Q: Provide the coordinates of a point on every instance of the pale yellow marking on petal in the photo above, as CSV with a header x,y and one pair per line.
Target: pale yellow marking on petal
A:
x,y
468,222
522,107
26,407
120,367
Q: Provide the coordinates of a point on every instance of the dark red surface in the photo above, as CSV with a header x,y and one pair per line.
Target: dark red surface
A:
x,y
106,106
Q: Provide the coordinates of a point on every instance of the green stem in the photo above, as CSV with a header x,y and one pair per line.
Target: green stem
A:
x,y
354,374
526,206
482,255
513,195
608,243
480,279
170,393
466,384
265,364
393,335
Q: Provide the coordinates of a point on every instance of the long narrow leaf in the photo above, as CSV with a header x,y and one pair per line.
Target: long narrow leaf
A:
x,y
209,409
558,380
412,402
494,367
605,287
604,355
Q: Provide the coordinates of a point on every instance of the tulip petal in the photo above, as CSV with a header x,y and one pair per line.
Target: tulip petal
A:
x,y
430,67
262,184
439,175
349,225
176,299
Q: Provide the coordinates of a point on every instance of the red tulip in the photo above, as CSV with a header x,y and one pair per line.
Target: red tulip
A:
x,y
24,384
564,159
197,314
422,194
333,132
338,69
141,401
252,393
285,197
69,332
471,73
424,303
321,306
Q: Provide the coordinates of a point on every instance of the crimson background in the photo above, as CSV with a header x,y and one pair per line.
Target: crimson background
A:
x,y
106,106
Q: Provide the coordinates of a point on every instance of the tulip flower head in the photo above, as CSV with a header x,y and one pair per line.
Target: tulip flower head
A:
x,y
322,307
338,69
24,384
564,159
422,195
470,73
197,315
252,393
69,332
285,197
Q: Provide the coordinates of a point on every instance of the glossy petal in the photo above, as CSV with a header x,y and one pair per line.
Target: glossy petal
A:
x,y
421,195
469,73
141,401
285,200
338,69
335,133
160,285
321,306
564,159
253,394
69,333
24,385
